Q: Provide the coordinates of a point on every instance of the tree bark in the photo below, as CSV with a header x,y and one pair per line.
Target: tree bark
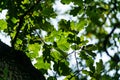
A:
x,y
15,65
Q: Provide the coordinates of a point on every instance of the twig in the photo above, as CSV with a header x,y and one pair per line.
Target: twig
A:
x,y
76,60
109,35
40,37
106,41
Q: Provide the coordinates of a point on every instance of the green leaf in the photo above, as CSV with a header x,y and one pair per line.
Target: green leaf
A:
x,y
90,52
3,24
71,77
66,1
33,50
63,44
75,47
79,25
83,55
64,25
19,41
25,2
63,53
92,78
46,9
14,20
51,78
46,52
46,26
56,55
99,66
75,11
41,64
106,77
78,2
87,72
91,47
35,13
88,1
62,67
89,63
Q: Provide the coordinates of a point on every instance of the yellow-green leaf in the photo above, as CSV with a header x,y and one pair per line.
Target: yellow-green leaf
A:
x,y
3,24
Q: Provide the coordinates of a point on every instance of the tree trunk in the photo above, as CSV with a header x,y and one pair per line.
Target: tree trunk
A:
x,y
15,65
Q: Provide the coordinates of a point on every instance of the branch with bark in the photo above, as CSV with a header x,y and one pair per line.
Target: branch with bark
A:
x,y
21,19
107,40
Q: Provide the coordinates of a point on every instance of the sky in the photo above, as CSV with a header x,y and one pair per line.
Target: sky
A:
x,y
4,37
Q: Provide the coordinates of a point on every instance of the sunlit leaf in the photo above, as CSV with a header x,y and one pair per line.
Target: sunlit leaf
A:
x,y
33,49
63,53
25,1
78,26
56,55
3,24
62,44
19,41
44,65
71,77
14,20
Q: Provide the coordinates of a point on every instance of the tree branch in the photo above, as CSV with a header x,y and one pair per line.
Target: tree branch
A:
x,y
21,19
109,35
107,39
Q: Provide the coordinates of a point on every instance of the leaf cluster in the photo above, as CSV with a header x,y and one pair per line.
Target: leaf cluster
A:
x,y
26,21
